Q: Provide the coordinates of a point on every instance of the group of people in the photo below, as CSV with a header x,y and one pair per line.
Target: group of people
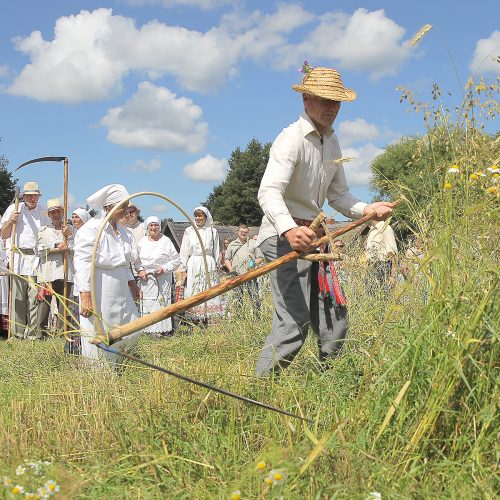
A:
x,y
303,173
134,267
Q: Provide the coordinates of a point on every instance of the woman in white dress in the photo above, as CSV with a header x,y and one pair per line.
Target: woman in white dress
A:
x,y
193,263
115,286
159,259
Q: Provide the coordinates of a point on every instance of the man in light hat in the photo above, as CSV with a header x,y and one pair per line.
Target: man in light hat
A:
x,y
28,220
302,173
51,249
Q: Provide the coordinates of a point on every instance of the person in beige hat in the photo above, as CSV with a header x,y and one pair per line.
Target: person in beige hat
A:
x,y
28,220
302,173
51,249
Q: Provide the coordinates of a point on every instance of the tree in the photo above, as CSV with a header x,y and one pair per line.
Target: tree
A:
x,y
234,201
7,185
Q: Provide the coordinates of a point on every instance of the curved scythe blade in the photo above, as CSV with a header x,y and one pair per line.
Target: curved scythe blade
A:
x,y
43,158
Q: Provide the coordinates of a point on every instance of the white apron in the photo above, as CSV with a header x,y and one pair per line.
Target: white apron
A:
x,y
114,298
156,294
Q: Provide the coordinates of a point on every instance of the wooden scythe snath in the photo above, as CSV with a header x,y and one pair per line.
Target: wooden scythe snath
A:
x,y
10,308
65,218
150,319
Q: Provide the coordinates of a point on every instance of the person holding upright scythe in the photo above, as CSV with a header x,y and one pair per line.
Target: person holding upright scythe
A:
x,y
20,229
302,173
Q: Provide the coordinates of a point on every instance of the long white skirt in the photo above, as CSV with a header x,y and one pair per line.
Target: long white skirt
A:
x,y
156,294
116,307
4,295
196,283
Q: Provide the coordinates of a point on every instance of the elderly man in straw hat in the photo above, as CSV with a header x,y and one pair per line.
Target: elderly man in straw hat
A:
x,y
303,173
51,249
28,220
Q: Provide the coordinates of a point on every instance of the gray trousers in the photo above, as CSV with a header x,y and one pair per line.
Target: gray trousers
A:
x,y
24,307
295,291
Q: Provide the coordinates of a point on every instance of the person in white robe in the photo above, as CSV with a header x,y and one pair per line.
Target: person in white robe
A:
x,y
115,287
54,242
191,254
159,259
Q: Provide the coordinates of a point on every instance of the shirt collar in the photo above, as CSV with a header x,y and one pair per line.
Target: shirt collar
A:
x,y
308,126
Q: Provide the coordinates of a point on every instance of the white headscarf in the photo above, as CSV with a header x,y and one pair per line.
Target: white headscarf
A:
x,y
83,214
108,195
149,220
205,210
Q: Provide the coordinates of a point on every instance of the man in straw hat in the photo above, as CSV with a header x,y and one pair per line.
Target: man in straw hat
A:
x,y
51,249
303,173
28,220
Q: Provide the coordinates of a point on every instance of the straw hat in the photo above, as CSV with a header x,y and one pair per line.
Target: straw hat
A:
x,y
53,204
31,188
325,82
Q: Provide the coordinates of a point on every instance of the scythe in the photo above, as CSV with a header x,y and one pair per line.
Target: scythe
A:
x,y
65,218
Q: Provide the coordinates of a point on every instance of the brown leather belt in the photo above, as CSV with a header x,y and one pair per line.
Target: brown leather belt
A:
x,y
304,222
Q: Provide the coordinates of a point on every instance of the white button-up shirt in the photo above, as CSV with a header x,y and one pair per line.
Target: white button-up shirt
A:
x,y
300,175
27,228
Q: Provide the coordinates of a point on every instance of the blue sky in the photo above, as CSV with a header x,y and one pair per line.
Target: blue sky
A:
x,y
156,94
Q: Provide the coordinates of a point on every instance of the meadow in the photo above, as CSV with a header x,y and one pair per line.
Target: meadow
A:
x,y
408,410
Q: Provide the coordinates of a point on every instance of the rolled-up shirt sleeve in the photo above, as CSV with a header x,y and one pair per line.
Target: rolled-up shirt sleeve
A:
x,y
283,157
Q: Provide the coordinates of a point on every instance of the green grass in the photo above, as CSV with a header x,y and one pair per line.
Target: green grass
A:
x,y
142,434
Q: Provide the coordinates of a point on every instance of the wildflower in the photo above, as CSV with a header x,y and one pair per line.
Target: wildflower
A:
x,y
236,495
495,178
474,177
43,493
480,173
261,465
454,169
491,190
51,486
374,495
20,470
493,169
7,481
447,186
32,496
268,480
277,476
306,68
17,490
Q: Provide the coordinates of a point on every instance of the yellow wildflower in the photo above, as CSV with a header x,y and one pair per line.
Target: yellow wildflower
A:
x,y
236,495
268,480
261,465
447,186
454,169
491,190
474,177
277,476
7,481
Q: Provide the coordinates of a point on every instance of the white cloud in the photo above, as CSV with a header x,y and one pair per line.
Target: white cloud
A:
x,y
206,169
486,55
144,166
155,118
92,52
158,208
357,171
366,41
351,131
201,4
4,71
